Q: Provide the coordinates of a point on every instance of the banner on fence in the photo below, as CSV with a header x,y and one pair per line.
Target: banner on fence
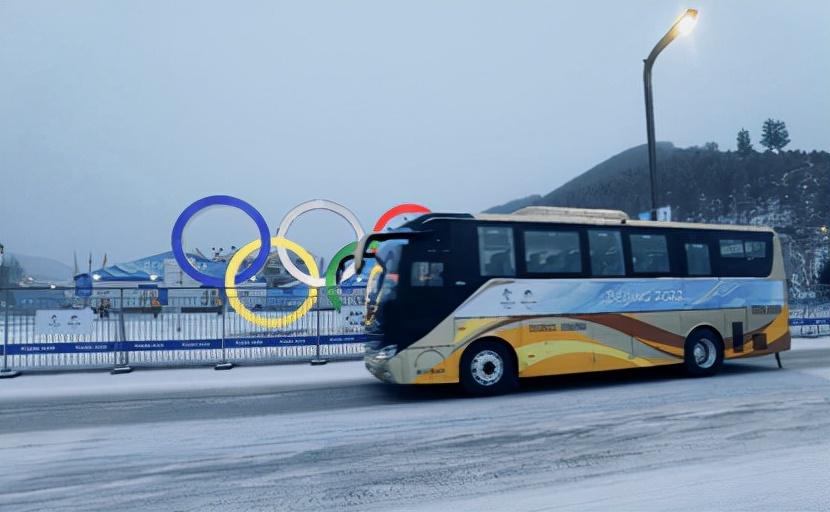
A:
x,y
64,321
796,322
58,348
161,345
231,343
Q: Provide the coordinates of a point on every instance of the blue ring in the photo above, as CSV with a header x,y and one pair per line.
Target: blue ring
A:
x,y
197,206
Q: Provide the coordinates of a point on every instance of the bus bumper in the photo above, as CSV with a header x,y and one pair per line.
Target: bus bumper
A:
x,y
414,366
384,366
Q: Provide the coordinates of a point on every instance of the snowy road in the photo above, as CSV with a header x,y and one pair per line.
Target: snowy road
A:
x,y
331,438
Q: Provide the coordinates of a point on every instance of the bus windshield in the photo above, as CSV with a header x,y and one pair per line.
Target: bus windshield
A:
x,y
383,279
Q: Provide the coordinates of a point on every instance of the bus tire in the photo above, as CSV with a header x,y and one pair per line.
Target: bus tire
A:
x,y
703,353
488,368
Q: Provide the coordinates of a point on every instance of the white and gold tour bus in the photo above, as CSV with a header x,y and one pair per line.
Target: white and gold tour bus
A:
x,y
486,299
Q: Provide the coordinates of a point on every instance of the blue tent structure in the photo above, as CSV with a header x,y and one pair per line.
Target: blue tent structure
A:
x,y
142,269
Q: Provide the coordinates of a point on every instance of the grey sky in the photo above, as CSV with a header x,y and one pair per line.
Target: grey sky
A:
x,y
115,115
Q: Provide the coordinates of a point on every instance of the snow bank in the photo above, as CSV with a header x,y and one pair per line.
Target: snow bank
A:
x,y
282,377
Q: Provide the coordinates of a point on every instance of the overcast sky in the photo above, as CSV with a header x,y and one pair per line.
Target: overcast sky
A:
x,y
116,115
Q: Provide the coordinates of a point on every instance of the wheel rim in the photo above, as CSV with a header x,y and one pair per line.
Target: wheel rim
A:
x,y
487,368
705,353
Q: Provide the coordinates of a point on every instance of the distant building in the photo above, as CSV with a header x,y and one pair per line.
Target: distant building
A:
x,y
163,270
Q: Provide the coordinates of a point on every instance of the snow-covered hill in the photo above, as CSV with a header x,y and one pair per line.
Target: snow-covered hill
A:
x,y
43,269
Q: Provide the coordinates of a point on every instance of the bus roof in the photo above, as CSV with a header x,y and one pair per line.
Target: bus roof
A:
x,y
586,216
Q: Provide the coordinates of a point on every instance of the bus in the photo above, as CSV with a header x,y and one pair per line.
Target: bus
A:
x,y
484,300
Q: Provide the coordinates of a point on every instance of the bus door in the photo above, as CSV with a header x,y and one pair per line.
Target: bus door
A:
x,y
426,276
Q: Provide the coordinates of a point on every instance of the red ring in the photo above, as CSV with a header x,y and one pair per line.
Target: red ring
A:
x,y
398,210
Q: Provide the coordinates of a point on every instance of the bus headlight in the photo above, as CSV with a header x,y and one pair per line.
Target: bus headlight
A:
x,y
387,352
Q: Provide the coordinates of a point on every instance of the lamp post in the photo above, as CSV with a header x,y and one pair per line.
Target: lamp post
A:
x,y
682,26
5,371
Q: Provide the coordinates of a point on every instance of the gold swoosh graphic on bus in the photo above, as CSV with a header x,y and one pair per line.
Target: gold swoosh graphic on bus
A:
x,y
546,350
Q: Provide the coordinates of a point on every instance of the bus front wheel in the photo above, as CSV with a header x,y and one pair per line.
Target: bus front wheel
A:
x,y
488,368
703,354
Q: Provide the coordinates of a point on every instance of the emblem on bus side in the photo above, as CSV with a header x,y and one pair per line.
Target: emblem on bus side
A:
x,y
507,303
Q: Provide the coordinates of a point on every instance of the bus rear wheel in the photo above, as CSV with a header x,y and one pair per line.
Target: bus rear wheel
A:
x,y
703,354
488,368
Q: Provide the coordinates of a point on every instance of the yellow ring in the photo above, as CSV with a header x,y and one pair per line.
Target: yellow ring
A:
x,y
263,321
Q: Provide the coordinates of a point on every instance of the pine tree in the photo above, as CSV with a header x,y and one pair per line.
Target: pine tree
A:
x,y
774,135
744,144
784,135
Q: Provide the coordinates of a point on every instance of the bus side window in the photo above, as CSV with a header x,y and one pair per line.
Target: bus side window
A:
x,y
697,259
606,252
496,254
755,249
552,252
744,257
649,254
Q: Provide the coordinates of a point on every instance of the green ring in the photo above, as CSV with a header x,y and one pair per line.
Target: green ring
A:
x,y
331,274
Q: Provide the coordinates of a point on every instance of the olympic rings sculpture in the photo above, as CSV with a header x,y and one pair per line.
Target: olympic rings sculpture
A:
x,y
283,245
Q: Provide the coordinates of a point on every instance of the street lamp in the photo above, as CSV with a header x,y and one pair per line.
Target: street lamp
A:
x,y
682,26
5,371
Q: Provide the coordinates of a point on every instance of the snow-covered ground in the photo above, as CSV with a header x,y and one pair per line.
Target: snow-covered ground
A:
x,y
183,381
293,437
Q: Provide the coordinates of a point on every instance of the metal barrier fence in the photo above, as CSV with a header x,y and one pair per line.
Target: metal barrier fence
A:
x,y
123,327
810,320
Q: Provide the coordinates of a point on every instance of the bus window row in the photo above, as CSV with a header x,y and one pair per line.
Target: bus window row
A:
x,y
565,251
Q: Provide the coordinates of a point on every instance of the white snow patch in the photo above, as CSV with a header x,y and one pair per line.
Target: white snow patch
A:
x,y
183,380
